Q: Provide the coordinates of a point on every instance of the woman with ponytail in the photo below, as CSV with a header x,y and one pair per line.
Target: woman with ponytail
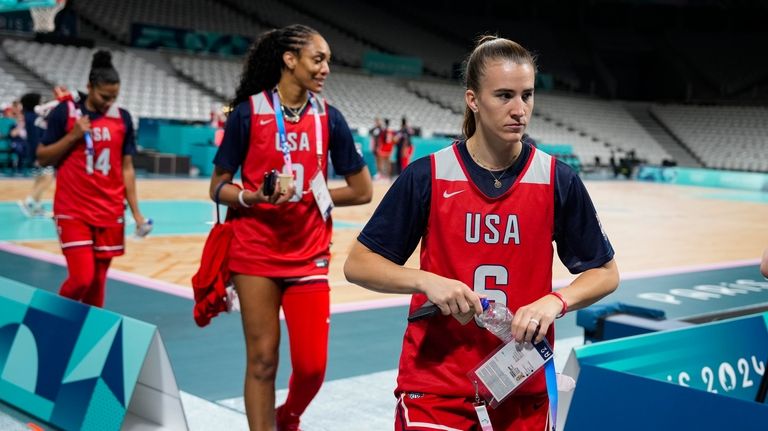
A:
x,y
486,210
91,144
281,247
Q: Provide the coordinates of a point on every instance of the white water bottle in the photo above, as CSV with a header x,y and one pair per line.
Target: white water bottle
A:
x,y
144,229
496,318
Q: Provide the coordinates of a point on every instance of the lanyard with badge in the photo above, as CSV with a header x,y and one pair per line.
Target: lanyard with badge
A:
x,y
89,149
520,362
317,183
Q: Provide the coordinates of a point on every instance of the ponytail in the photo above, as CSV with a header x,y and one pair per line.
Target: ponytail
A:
x,y
102,70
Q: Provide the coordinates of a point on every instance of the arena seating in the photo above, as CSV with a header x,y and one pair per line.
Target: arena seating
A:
x,y
218,75
146,90
722,137
345,48
390,32
116,16
360,97
602,121
10,88
744,66
593,127
185,86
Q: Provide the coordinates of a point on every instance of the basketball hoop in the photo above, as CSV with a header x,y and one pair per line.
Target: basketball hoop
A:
x,y
43,17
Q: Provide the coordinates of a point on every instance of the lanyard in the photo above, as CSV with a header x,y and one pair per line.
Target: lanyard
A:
x,y
551,377
89,151
276,106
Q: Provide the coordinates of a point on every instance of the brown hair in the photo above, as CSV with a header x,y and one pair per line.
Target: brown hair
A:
x,y
488,48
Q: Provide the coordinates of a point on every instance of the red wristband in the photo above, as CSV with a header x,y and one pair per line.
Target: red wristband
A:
x,y
564,310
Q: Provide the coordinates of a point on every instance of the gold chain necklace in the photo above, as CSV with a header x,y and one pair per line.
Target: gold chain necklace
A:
x,y
292,114
496,181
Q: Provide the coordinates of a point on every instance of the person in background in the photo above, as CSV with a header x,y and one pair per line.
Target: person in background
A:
x,y
17,132
35,115
384,151
91,144
280,252
486,210
404,146
375,132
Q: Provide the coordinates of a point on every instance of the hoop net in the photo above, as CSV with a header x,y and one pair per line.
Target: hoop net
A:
x,y
43,17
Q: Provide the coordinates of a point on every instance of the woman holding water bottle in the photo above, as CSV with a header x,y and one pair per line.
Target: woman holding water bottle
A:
x,y
486,210
280,126
91,144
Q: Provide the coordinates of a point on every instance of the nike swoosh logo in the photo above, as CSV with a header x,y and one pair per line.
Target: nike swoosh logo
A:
x,y
263,122
448,195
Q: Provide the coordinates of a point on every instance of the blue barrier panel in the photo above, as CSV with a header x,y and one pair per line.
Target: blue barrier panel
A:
x,y
155,36
705,177
379,63
201,156
672,375
82,368
179,138
608,400
146,134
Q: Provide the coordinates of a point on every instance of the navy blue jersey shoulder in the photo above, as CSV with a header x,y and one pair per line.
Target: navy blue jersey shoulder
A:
x,y
400,220
237,135
33,131
57,126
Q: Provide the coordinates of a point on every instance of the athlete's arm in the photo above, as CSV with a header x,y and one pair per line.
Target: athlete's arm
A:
x,y
229,158
585,250
359,189
51,154
391,236
589,287
375,272
764,264
129,178
347,162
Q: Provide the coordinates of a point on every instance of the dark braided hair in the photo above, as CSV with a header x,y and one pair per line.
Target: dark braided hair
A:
x,y
264,63
102,70
489,48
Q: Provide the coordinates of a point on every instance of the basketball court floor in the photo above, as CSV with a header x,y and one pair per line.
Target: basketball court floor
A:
x,y
667,238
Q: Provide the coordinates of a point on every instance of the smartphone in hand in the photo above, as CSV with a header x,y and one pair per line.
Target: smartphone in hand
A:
x,y
269,182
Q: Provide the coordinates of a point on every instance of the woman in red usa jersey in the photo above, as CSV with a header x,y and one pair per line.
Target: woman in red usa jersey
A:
x,y
281,247
486,210
91,144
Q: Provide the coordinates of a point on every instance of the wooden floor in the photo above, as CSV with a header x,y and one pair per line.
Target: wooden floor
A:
x,y
651,227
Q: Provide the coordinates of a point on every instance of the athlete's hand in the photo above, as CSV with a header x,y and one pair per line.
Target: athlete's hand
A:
x,y
82,125
280,197
61,93
275,198
139,218
532,321
452,297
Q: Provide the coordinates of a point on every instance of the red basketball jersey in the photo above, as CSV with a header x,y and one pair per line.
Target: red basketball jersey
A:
x,y
97,198
500,247
291,239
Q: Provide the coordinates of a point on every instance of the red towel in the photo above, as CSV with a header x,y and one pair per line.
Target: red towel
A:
x,y
210,281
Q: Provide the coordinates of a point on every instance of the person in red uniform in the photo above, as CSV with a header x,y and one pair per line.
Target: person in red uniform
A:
x,y
486,210
384,151
93,180
281,248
